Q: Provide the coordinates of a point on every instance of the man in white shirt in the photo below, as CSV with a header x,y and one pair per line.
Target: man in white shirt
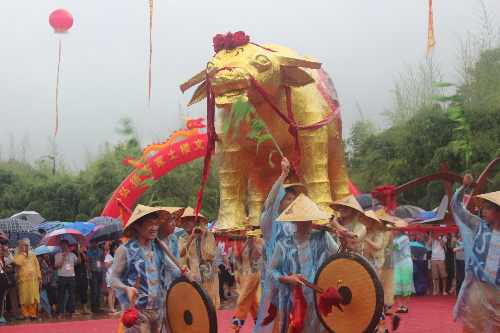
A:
x,y
65,262
438,264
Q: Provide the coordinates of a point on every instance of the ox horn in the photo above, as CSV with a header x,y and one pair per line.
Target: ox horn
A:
x,y
198,78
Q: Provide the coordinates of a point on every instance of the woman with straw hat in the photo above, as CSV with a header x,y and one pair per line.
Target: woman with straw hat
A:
x,y
373,239
300,253
167,229
350,212
403,268
478,303
167,236
386,270
198,251
284,191
282,194
141,257
247,274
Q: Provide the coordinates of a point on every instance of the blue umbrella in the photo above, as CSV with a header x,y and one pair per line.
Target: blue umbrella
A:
x,y
46,249
49,226
102,220
34,236
417,249
84,227
108,232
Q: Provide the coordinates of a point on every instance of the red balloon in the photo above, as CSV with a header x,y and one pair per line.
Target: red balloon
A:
x,y
61,20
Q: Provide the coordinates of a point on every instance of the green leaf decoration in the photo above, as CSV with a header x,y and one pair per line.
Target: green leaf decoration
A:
x,y
244,111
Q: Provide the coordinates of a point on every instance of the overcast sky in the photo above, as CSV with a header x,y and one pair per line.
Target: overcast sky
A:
x,y
105,58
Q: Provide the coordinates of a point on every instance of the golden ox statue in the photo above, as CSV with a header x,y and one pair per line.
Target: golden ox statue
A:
x,y
241,69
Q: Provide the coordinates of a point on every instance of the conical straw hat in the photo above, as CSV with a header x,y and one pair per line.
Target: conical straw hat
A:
x,y
302,209
349,201
140,211
492,196
400,223
189,212
177,212
383,216
293,181
370,214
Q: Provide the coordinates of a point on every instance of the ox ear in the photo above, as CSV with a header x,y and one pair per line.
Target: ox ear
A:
x,y
299,62
296,77
199,94
200,77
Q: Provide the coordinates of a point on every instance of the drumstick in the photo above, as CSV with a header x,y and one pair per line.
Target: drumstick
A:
x,y
310,285
341,233
174,259
134,296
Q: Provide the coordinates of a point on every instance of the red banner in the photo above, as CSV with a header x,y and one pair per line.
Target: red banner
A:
x,y
430,35
155,167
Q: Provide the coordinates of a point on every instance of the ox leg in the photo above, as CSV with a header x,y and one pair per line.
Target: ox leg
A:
x,y
314,166
259,186
337,169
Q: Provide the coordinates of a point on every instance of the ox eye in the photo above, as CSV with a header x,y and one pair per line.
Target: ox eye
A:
x,y
262,63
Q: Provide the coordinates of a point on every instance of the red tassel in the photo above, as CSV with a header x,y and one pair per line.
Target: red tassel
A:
x,y
271,314
329,298
299,311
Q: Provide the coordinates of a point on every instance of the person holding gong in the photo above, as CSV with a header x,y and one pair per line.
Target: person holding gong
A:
x,y
300,253
198,249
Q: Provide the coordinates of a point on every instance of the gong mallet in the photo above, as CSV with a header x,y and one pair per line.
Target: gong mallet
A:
x,y
328,298
131,315
174,259
341,233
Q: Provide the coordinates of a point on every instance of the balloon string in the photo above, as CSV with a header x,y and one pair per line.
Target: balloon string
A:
x,y
150,46
57,89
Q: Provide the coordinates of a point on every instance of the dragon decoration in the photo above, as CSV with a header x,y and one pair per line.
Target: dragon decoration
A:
x,y
192,129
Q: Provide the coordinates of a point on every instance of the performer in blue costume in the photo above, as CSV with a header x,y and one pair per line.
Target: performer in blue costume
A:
x,y
282,194
300,253
141,257
478,304
167,236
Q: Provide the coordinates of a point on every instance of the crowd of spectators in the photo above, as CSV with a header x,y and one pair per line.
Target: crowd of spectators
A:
x,y
35,286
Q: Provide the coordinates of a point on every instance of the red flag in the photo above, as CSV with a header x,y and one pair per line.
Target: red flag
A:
x,y
430,36
299,311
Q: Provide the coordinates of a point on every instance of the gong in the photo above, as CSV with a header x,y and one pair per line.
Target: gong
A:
x,y
361,289
189,308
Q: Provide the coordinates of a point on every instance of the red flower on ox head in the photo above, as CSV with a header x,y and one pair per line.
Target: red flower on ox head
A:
x,y
230,41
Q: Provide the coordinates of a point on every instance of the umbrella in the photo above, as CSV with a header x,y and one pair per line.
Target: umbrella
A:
x,y
102,220
15,225
3,236
417,249
55,237
365,201
84,227
46,249
34,236
49,226
408,212
108,232
89,236
32,217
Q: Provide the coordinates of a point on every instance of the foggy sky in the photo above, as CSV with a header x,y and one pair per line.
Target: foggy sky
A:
x,y
105,58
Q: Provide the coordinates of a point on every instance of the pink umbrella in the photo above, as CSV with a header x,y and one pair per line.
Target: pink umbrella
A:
x,y
54,238
89,236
